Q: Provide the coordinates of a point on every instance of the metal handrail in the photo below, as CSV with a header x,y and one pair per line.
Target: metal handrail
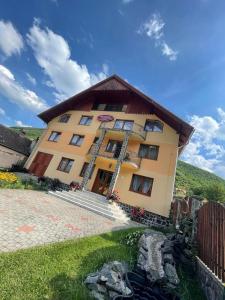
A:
x,y
130,156
136,128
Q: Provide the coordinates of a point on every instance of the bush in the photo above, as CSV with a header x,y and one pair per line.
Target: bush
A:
x,y
131,239
215,192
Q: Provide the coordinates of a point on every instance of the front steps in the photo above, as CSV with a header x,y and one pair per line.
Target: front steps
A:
x,y
93,202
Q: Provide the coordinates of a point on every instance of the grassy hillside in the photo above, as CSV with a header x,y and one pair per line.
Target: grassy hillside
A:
x,y
187,176
31,133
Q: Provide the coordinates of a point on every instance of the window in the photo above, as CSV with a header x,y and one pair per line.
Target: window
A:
x,y
65,165
109,107
153,125
113,145
64,118
123,124
54,136
141,185
95,140
77,140
148,151
85,120
84,168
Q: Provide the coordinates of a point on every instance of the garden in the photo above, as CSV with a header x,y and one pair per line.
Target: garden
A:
x,y
58,271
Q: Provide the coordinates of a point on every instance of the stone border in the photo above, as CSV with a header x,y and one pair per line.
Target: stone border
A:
x,y
213,287
149,218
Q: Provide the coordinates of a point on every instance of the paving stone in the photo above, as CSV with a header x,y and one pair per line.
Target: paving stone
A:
x,y
31,218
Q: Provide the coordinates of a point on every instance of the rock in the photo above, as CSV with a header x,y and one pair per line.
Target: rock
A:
x,y
108,281
171,275
150,255
168,258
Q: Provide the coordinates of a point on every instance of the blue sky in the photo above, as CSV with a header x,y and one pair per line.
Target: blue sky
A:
x,y
172,50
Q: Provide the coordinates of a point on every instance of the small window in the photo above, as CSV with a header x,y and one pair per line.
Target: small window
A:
x,y
65,165
85,120
84,168
77,140
153,125
141,185
64,118
123,124
54,136
148,151
109,107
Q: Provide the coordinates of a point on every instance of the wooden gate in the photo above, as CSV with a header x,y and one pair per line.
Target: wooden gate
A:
x,y
40,163
211,237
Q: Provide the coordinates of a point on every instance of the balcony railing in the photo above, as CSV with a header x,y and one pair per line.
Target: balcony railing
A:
x,y
135,129
130,157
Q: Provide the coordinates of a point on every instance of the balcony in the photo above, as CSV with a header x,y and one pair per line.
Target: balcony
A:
x,y
131,160
137,132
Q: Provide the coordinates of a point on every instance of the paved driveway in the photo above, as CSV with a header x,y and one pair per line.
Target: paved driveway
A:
x,y
30,218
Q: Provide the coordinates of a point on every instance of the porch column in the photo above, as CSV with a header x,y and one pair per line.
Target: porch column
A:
x,y
119,163
92,161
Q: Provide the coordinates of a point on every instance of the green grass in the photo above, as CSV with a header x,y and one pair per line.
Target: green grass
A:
x,y
57,271
31,133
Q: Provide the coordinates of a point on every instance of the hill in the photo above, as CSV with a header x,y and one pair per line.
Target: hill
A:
x,y
31,133
187,176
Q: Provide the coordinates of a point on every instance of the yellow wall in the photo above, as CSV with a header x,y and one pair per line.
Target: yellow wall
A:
x,y
162,170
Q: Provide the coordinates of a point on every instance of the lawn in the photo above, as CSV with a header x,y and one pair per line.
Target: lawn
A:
x,y
57,271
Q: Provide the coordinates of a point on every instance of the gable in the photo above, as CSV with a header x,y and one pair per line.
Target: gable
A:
x,y
115,89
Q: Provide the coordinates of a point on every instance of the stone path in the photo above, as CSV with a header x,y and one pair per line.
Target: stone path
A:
x,y
30,218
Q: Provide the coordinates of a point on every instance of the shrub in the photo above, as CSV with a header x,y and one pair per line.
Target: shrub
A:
x,y
215,192
131,239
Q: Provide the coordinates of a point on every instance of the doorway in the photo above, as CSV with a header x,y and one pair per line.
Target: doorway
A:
x,y
102,182
40,163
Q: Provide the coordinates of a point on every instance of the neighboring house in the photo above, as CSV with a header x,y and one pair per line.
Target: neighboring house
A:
x,y
14,147
112,136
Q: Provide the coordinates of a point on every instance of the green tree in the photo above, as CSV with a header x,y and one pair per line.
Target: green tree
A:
x,y
215,192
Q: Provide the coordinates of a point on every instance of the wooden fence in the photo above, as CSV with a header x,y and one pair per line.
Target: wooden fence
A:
x,y
211,237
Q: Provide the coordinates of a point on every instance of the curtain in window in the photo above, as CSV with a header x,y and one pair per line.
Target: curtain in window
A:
x,y
128,125
143,151
69,165
136,183
146,186
153,152
118,124
63,164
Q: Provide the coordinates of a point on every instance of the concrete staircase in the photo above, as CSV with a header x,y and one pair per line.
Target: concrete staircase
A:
x,y
93,202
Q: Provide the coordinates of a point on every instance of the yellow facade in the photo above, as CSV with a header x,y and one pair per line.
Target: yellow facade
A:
x,y
161,170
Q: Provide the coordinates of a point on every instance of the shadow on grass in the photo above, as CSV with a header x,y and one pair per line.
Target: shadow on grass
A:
x,y
66,287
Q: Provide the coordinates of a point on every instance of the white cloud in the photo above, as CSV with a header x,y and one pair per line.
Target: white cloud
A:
x,y
53,54
2,112
31,79
127,1
206,149
21,124
11,42
16,93
167,51
153,28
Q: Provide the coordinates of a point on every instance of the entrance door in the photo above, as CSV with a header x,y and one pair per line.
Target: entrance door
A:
x,y
102,182
40,163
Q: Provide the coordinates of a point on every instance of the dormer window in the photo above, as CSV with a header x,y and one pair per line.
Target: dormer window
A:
x,y
154,126
64,118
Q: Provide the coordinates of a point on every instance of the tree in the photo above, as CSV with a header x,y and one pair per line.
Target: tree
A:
x,y
215,192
